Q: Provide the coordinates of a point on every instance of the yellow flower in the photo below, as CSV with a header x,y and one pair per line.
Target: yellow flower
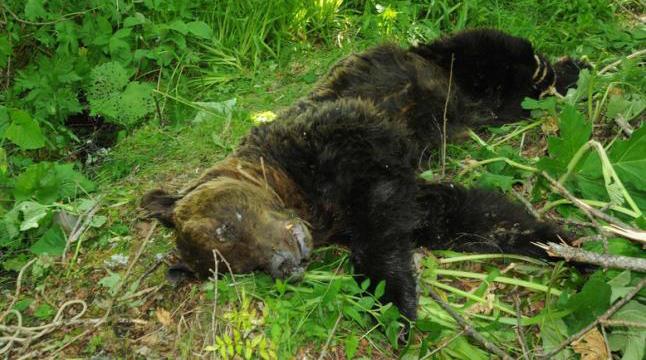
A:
x,y
263,117
389,14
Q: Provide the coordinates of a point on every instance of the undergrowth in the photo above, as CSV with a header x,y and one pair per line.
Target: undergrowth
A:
x,y
103,100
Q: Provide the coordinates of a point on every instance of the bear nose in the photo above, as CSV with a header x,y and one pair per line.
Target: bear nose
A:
x,y
284,265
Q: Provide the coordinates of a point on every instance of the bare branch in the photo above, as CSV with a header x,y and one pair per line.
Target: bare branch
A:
x,y
444,118
616,63
606,261
587,209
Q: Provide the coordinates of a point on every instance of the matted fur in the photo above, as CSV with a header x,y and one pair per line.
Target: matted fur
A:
x,y
341,166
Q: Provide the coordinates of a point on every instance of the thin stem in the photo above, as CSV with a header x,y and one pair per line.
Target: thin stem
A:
x,y
469,296
497,159
600,204
501,279
476,257
517,132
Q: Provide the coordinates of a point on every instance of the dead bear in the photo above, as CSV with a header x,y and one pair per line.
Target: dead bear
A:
x,y
340,166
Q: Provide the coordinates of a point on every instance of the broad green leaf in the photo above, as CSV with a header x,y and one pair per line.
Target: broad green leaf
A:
x,y
553,332
619,285
351,312
52,242
380,289
32,213
67,37
131,21
616,246
24,131
630,343
427,175
98,221
463,349
590,302
574,131
179,26
502,182
211,109
392,333
136,101
200,29
547,104
618,105
633,311
34,10
9,227
48,182
15,263
629,158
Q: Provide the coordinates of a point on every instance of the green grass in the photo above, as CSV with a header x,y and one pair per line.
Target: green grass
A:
x,y
254,61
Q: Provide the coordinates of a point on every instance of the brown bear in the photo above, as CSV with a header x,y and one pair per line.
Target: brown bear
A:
x,y
340,166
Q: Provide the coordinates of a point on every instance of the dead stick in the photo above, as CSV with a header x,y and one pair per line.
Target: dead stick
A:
x,y
468,329
444,119
526,203
606,261
519,329
624,323
616,63
613,309
587,209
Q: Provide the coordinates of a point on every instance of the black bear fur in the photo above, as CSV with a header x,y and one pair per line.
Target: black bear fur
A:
x,y
344,161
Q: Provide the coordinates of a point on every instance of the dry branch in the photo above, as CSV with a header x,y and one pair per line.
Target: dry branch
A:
x,y
606,261
590,211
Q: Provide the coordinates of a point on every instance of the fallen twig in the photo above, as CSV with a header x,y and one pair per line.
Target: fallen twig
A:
x,y
527,204
624,323
329,338
605,316
444,118
468,329
615,63
624,125
634,234
519,329
606,261
590,211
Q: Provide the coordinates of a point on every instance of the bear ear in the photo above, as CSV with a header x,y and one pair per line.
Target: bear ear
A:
x,y
159,204
567,72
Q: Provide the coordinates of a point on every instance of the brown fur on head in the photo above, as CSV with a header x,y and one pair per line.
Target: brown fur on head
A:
x,y
244,220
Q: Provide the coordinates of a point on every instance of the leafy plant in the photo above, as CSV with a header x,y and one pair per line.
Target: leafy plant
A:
x,y
113,95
